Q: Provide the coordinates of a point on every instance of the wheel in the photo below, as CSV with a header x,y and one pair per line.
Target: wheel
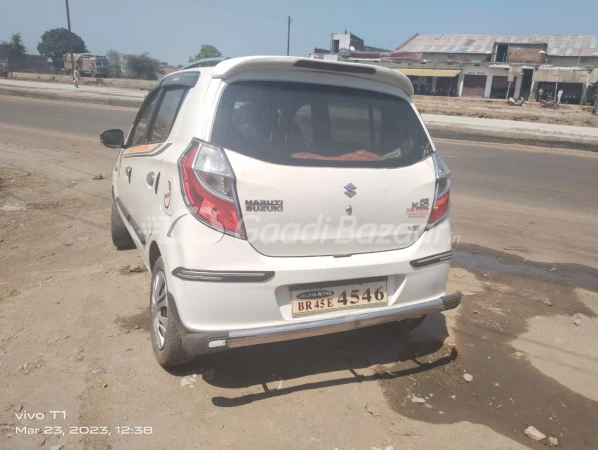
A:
x,y
166,340
411,324
120,235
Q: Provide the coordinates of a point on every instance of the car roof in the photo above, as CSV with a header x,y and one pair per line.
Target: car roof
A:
x,y
232,66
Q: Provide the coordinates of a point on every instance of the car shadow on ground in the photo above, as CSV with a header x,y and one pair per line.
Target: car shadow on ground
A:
x,y
314,363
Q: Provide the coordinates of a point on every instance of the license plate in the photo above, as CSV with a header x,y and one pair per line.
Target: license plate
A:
x,y
319,299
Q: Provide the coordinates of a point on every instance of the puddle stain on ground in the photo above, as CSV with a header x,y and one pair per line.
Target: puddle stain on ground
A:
x,y
507,393
480,259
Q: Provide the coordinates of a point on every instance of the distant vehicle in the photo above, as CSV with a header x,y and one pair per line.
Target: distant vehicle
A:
x,y
89,65
220,158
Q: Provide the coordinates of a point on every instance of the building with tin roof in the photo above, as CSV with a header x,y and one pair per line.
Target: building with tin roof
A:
x,y
535,67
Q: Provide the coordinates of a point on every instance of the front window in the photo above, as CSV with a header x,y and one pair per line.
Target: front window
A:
x,y
138,137
307,124
166,115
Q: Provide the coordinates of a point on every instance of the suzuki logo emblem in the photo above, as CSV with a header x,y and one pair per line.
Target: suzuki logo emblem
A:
x,y
350,190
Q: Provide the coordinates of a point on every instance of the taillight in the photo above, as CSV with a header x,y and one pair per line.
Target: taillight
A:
x,y
209,187
442,196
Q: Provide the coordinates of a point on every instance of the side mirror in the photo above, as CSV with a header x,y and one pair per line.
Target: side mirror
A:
x,y
113,138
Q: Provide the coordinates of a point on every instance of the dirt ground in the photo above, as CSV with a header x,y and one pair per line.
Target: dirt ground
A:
x,y
574,115
74,339
67,79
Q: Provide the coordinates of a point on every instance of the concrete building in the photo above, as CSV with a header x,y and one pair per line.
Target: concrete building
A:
x,y
491,66
348,41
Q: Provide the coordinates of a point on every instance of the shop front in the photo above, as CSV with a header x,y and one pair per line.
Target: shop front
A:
x,y
474,85
494,81
441,82
574,83
502,87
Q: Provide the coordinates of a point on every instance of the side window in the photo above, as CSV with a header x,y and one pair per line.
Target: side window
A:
x,y
145,116
166,114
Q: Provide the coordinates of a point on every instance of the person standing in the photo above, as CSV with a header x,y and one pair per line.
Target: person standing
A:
x,y
76,76
559,96
596,101
540,94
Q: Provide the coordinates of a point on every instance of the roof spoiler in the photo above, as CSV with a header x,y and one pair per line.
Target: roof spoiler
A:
x,y
234,66
205,62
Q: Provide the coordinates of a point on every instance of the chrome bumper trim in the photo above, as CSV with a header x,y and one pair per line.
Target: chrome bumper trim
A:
x,y
242,338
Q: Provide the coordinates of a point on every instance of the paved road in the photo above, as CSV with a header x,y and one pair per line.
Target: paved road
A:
x,y
70,118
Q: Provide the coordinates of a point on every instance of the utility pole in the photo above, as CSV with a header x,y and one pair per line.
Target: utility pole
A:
x,y
288,35
68,19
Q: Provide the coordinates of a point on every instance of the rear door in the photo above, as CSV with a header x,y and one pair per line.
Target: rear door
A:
x,y
131,178
140,169
142,159
325,170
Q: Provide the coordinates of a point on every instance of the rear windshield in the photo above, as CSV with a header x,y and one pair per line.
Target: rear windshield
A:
x,y
307,124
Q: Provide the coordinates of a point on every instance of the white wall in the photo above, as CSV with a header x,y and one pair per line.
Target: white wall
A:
x,y
344,40
485,70
518,85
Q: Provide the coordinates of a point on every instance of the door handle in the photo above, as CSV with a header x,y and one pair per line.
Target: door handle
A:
x,y
150,178
128,171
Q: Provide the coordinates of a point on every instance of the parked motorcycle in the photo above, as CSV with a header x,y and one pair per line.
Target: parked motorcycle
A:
x,y
521,102
550,103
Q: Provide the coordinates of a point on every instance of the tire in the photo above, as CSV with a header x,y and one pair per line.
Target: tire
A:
x,y
120,235
166,339
411,324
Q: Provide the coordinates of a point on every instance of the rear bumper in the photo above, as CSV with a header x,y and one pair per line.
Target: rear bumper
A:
x,y
197,343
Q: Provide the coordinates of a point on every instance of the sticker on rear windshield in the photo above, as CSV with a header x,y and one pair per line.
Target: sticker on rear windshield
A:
x,y
419,210
263,205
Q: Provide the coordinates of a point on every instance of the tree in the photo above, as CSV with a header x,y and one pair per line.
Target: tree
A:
x,y
115,60
55,44
17,47
206,51
143,67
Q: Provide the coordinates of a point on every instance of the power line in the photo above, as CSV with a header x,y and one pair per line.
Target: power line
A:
x,y
289,35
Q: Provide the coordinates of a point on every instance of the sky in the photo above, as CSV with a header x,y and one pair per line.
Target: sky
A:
x,y
171,30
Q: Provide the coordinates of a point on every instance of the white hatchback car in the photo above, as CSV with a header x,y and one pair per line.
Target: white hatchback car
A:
x,y
277,198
